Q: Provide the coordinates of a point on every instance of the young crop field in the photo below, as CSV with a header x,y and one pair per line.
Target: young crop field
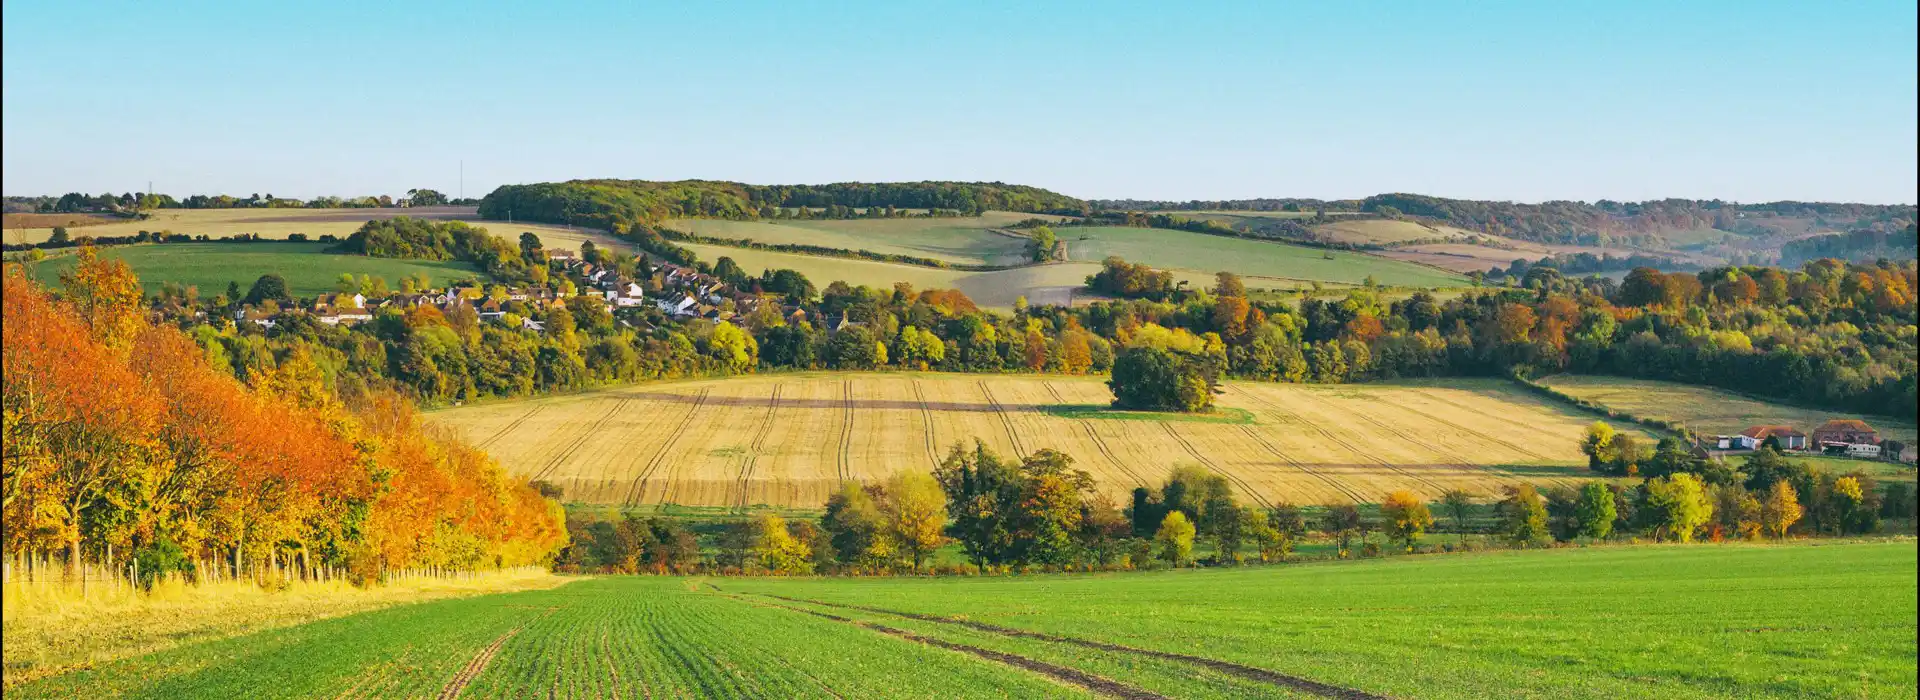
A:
x,y
1712,621
966,240
1710,411
308,268
1199,252
790,440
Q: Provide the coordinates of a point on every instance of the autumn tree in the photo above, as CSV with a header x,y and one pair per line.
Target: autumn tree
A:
x,y
1175,537
916,514
1406,517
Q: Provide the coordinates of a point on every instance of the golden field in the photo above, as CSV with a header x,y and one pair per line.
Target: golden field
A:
x,y
790,440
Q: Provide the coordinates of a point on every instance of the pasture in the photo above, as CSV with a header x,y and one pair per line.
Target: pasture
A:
x,y
790,440
307,267
1701,621
1203,253
1708,410
1389,231
966,240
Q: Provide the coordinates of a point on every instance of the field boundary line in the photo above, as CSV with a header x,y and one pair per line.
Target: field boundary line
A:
x,y
653,465
1055,672
1209,464
495,437
1316,427
926,418
1094,437
759,440
588,434
1228,667
1276,451
1013,436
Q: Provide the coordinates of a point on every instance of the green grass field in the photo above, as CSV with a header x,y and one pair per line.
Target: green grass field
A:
x,y
307,268
1749,621
1202,253
965,240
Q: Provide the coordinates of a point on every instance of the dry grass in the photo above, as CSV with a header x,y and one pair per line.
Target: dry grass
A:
x,y
1388,231
267,223
51,627
732,443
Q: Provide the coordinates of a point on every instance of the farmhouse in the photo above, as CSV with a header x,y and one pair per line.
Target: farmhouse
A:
x,y
1738,442
1847,431
1789,438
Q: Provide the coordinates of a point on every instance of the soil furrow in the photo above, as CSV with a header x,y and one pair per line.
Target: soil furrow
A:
x,y
1228,667
1097,684
1215,468
926,416
754,447
1335,484
1013,436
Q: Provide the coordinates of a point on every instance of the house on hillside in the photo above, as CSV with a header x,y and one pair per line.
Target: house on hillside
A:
x,y
561,255
1847,431
1789,438
677,305
1737,442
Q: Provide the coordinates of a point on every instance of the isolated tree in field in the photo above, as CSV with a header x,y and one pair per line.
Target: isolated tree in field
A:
x,y
1595,512
1677,505
1457,504
916,511
1152,379
1597,445
1343,521
1524,516
1407,517
1176,538
1040,244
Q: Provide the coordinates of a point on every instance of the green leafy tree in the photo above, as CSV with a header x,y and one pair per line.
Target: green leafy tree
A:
x,y
1457,504
1524,516
1175,537
1676,506
1595,511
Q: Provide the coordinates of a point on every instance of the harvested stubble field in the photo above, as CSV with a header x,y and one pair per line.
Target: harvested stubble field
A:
x,y
790,440
1702,621
268,223
1708,410
971,240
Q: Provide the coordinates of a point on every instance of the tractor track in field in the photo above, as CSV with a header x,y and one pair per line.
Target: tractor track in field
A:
x,y
515,425
1013,436
845,460
754,446
1230,668
478,663
1098,443
1215,468
1350,447
653,465
1335,484
926,418
1470,431
1445,453
592,430
1063,674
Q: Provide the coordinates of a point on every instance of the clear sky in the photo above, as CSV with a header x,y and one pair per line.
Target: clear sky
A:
x,y
1526,101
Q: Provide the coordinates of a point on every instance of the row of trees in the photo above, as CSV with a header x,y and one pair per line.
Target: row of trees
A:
x,y
1039,513
131,201
123,440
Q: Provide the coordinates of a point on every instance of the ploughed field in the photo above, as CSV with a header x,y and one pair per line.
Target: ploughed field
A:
x,y
1700,621
790,440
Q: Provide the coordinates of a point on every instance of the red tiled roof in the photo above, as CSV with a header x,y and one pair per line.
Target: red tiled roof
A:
x,y
1762,432
1845,424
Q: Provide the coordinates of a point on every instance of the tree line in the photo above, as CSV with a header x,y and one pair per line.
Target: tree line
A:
x,y
124,443
622,205
1038,513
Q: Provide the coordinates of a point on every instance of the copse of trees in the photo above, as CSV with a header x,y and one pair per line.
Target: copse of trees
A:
x,y
123,441
622,205
1126,280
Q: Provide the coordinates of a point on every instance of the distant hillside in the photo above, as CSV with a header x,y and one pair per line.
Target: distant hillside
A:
x,y
621,204
1660,223
1864,245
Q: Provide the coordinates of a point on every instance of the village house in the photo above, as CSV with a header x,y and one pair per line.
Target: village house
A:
x,y
1845,431
1789,438
678,305
1736,442
561,255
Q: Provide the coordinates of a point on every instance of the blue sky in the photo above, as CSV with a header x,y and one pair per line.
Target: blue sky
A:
x,y
1525,101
